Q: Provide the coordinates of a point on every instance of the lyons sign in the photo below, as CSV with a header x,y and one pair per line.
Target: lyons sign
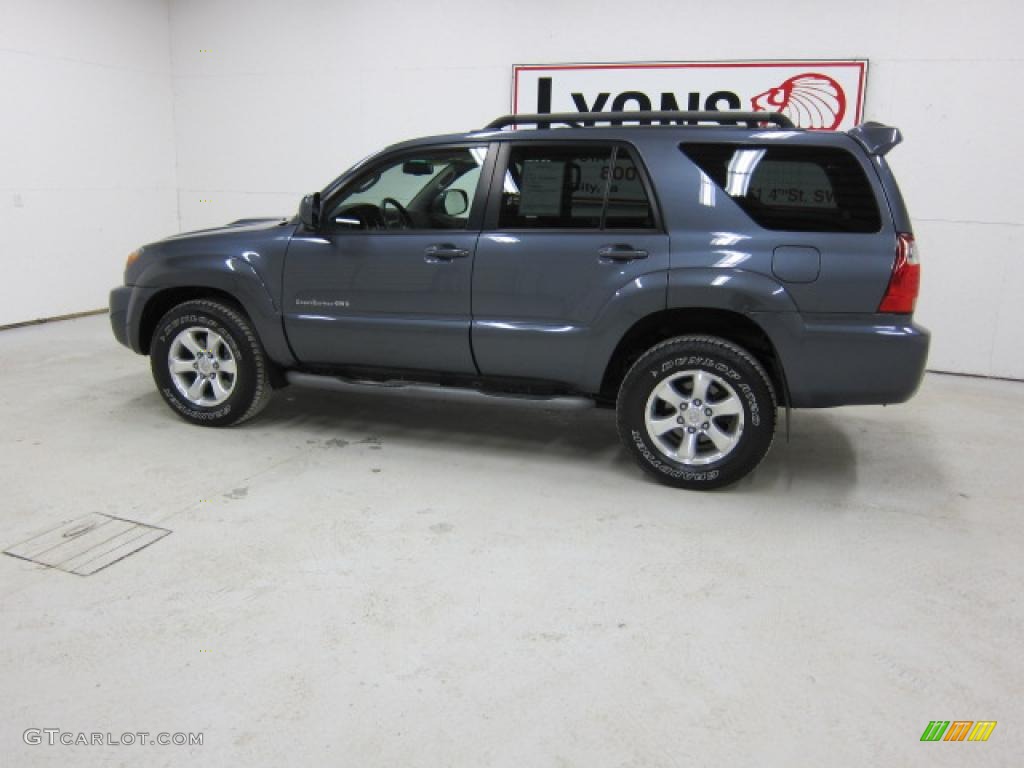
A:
x,y
821,95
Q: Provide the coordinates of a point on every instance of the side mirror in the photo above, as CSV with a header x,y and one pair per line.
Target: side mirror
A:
x,y
309,211
454,202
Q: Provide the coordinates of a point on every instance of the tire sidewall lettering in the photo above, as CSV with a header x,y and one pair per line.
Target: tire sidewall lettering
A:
x,y
668,469
171,397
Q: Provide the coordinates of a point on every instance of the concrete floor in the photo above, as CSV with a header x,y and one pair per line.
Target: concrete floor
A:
x,y
377,581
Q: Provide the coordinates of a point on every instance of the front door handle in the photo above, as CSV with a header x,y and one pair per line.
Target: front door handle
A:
x,y
620,252
443,252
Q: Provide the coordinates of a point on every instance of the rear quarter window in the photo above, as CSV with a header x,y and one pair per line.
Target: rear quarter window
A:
x,y
798,189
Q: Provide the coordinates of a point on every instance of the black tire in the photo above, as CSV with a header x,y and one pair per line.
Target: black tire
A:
x,y
674,366
249,385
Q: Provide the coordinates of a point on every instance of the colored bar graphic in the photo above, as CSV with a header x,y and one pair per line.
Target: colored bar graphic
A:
x,y
982,730
935,730
958,730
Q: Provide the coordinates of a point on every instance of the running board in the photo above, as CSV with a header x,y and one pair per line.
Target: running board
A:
x,y
461,394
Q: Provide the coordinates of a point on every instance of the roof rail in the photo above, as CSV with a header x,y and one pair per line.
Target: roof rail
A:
x,y
587,119
876,138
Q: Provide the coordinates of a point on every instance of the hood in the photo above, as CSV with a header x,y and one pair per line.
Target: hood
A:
x,y
245,238
240,225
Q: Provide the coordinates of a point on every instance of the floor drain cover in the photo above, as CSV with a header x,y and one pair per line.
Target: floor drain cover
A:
x,y
88,544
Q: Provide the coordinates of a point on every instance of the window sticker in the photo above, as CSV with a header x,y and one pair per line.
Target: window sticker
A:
x,y
543,182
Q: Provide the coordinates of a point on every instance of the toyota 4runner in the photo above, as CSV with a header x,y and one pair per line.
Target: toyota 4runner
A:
x,y
695,271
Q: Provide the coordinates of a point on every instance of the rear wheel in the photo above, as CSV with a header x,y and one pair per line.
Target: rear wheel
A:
x,y
209,364
697,412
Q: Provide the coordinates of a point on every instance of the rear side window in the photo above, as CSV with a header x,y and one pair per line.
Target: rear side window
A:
x,y
585,186
799,189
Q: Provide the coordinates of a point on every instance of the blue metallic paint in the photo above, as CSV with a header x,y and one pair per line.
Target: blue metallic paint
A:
x,y
543,305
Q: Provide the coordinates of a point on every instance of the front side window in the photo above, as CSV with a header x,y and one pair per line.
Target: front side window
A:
x,y
589,186
432,189
799,189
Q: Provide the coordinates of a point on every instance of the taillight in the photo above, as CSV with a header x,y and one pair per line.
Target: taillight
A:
x,y
901,295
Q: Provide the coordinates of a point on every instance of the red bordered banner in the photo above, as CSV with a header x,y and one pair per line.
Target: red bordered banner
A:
x,y
814,94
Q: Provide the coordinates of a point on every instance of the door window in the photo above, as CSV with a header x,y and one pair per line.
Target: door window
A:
x,y
585,186
432,189
628,206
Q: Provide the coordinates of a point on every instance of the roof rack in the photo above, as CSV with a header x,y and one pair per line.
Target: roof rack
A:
x,y
587,119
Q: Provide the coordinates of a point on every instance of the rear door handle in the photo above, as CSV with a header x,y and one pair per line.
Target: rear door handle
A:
x,y
443,252
620,252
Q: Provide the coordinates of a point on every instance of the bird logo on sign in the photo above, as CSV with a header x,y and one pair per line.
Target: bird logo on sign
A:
x,y
810,100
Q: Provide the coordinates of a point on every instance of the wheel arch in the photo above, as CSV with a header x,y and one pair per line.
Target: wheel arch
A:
x,y
162,301
659,326
166,299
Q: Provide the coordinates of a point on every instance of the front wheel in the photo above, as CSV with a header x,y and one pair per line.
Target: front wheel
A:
x,y
209,364
697,412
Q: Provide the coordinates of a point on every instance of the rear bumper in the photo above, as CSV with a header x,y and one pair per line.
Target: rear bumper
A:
x,y
832,360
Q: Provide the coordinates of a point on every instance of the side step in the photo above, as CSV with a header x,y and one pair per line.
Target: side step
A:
x,y
460,394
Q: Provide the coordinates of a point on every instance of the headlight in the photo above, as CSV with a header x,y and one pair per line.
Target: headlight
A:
x,y
132,258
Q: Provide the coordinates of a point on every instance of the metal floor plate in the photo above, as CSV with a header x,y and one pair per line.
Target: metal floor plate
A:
x,y
88,544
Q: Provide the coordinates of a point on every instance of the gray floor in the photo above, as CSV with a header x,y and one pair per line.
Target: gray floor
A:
x,y
381,581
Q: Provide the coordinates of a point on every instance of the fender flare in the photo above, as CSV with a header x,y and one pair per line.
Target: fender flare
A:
x,y
692,289
734,290
232,276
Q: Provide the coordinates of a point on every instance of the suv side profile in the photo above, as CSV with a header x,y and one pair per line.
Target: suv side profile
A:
x,y
695,271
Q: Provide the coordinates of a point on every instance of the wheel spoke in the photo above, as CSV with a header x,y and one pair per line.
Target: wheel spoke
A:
x,y
731,406
213,342
662,425
701,382
668,393
182,366
228,366
219,390
687,450
723,440
188,340
195,391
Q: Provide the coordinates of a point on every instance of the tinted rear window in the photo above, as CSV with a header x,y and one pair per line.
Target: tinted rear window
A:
x,y
800,189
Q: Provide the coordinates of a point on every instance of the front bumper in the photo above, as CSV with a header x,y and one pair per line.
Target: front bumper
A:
x,y
120,298
126,305
838,359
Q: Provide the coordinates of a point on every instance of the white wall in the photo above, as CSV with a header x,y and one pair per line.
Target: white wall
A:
x,y
86,148
271,99
291,94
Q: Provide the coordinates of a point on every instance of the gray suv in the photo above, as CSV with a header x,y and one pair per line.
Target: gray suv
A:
x,y
692,270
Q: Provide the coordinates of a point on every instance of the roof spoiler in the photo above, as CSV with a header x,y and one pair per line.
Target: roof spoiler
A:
x,y
876,138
